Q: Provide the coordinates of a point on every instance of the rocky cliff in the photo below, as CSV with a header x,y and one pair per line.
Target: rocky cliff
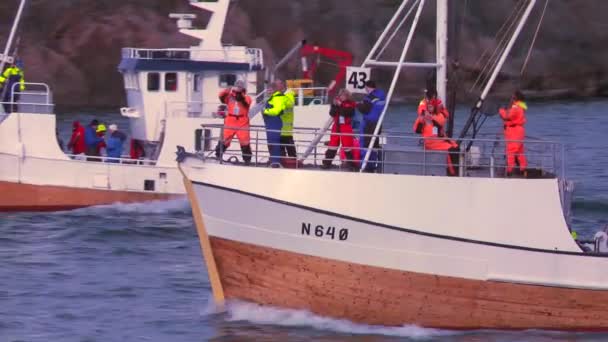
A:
x,y
75,45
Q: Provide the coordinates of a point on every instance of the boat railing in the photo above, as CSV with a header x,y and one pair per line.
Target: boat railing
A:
x,y
215,109
231,54
304,96
194,109
310,96
36,98
125,159
401,153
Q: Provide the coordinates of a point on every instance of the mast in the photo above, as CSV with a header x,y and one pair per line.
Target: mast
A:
x,y
12,35
442,48
453,64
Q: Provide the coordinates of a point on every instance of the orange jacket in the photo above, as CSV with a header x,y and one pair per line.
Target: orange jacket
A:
x,y
514,116
238,104
439,107
440,114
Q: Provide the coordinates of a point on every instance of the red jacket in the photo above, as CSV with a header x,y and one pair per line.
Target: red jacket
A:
x,y
343,113
77,140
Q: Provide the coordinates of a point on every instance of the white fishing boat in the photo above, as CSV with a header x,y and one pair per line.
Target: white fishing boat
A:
x,y
170,94
407,245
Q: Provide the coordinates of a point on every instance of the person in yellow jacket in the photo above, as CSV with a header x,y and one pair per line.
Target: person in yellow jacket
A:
x,y
12,75
275,107
288,146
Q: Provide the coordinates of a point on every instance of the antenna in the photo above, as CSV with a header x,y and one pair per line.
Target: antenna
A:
x,y
184,20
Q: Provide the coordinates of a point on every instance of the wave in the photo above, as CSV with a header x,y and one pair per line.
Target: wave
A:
x,y
175,206
594,205
257,314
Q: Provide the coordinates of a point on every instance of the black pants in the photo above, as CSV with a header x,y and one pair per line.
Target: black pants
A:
x,y
10,107
288,147
368,130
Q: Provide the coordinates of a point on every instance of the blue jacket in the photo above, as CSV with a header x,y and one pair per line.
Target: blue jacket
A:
x,y
372,105
114,145
90,137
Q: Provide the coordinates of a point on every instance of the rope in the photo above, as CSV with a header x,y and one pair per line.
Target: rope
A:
x,y
523,68
390,39
484,74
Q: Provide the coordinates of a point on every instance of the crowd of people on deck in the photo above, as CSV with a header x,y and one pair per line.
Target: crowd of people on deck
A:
x,y
96,142
430,123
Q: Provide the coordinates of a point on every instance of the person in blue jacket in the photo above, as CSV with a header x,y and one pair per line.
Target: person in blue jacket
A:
x,y
91,140
371,108
114,143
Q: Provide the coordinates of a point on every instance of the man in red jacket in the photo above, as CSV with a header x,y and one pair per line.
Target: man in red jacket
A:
x,y
76,143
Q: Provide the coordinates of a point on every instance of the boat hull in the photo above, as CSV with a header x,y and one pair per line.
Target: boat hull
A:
x,y
29,197
381,296
333,253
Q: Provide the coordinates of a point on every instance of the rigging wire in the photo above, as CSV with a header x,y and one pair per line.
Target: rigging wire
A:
x,y
390,39
499,33
502,37
503,41
540,22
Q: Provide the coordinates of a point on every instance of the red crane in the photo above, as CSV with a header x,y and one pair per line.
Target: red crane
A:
x,y
341,58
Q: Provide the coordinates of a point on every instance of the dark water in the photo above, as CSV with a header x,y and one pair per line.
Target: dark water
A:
x,y
135,272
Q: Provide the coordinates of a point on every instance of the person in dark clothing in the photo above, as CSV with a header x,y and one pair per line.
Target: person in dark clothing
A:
x,y
342,111
12,75
371,107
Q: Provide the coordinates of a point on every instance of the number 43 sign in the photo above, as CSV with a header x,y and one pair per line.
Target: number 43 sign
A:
x,y
356,78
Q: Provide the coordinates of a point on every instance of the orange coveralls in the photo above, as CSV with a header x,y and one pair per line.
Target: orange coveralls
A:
x,y
514,119
237,118
425,126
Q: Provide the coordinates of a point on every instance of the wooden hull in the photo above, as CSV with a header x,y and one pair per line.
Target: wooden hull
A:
x,y
381,296
28,197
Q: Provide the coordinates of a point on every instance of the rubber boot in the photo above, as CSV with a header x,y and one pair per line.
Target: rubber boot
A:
x,y
330,154
246,150
351,164
217,151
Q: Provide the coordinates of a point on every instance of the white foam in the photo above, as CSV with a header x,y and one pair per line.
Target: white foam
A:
x,y
257,314
180,205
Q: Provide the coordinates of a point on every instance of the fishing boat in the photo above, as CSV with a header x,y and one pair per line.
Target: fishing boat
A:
x,y
406,244
170,94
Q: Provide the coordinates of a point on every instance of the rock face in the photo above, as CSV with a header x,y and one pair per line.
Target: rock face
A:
x,y
75,46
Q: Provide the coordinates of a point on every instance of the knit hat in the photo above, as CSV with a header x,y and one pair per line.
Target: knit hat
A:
x,y
113,127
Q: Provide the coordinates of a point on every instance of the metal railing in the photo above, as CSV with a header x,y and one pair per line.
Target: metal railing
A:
x,y
399,153
251,56
36,98
216,109
125,159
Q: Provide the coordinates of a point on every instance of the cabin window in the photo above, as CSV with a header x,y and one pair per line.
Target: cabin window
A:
x,y
171,81
227,80
153,81
196,85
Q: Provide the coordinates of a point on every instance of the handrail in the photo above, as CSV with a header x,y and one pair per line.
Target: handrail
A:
x,y
405,153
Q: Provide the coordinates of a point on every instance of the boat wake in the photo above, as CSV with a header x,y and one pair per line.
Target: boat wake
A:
x,y
257,314
175,206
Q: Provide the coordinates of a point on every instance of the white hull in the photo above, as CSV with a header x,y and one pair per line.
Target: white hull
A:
x,y
318,241
30,155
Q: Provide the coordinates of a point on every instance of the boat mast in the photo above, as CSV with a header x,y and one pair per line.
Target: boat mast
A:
x,y
442,48
12,35
475,111
453,64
